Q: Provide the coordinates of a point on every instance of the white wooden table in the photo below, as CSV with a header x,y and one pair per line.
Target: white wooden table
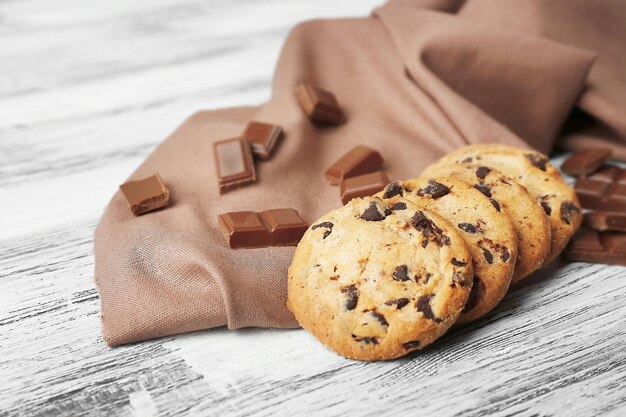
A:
x,y
87,89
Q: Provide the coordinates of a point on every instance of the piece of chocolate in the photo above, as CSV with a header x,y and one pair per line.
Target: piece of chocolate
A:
x,y
320,106
233,161
360,160
146,194
285,226
585,162
263,138
248,229
602,220
362,186
589,245
604,190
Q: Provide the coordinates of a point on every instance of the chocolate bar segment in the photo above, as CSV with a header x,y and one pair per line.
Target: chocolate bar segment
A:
x,y
589,245
146,194
248,229
285,226
362,186
263,138
319,105
585,162
233,160
360,160
604,190
601,220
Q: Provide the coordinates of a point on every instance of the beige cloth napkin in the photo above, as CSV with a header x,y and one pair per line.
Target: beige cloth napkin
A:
x,y
416,80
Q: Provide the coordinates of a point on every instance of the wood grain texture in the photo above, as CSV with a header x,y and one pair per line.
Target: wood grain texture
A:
x,y
87,90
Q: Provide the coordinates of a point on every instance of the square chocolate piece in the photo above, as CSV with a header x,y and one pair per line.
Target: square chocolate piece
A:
x,y
320,106
146,194
263,138
285,226
362,186
358,161
234,164
243,229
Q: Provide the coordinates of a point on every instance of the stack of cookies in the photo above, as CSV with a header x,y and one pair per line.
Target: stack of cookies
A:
x,y
389,274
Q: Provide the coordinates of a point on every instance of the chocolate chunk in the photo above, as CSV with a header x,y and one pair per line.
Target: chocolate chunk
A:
x,y
456,262
375,212
457,278
429,230
483,189
399,206
495,204
604,190
362,186
358,161
319,105
233,161
392,189
476,294
434,189
482,172
423,305
366,340
488,255
567,210
262,138
585,162
401,273
399,303
467,227
145,195
352,296
413,344
537,160
381,319
603,221
588,245
327,225
546,207
247,229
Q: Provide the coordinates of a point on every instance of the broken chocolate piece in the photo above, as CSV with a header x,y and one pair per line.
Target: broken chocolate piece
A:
x,y
586,161
358,161
248,229
375,212
392,189
146,194
352,296
362,186
604,190
588,245
537,160
401,273
233,161
603,221
319,105
263,138
434,189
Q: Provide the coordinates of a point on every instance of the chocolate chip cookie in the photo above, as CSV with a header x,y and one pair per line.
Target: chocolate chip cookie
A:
x,y
542,181
529,219
489,233
375,280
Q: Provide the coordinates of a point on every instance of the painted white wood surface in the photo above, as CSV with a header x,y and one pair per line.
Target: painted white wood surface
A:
x,y
87,89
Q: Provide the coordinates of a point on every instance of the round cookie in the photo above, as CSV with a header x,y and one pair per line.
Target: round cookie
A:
x,y
529,220
543,182
489,234
375,280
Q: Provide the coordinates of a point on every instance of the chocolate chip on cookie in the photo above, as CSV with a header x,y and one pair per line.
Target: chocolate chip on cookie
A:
x,y
399,206
423,305
482,172
375,212
401,273
352,296
399,303
567,211
326,225
483,189
537,160
434,189
467,227
393,189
